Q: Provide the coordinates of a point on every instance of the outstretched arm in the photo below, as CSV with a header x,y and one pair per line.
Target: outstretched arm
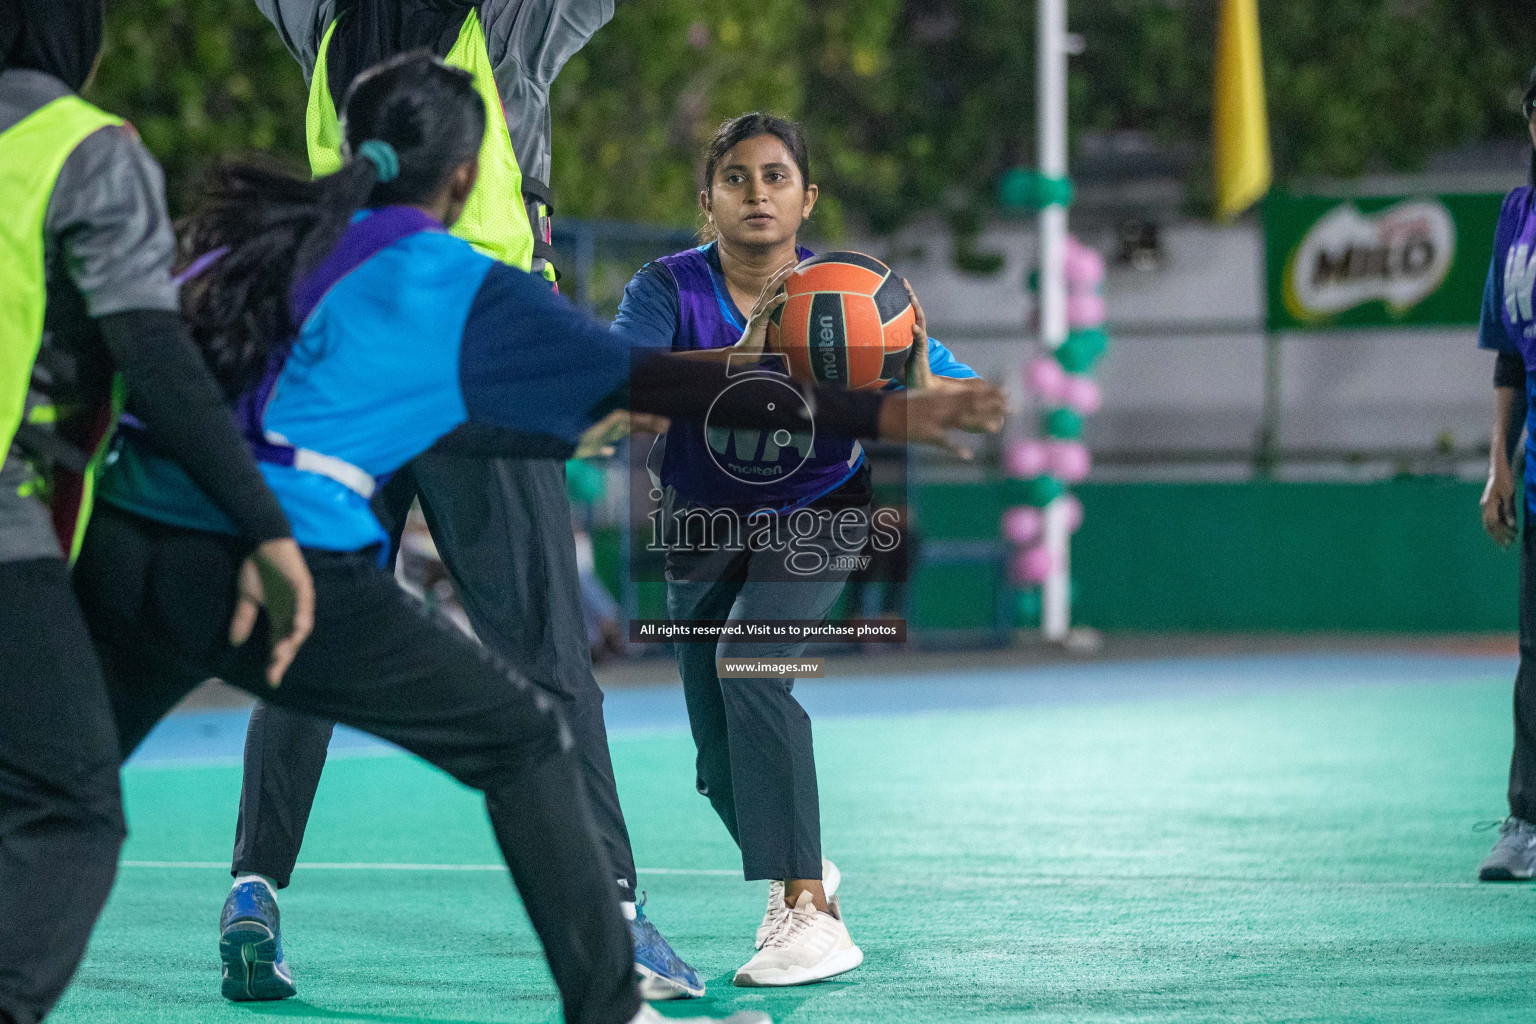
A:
x,y
537,372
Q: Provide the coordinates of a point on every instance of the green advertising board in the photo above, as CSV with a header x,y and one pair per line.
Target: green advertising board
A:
x,y
1383,261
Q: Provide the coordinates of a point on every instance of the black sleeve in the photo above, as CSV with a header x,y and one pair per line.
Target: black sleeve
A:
x,y
171,391
1509,370
686,389
691,389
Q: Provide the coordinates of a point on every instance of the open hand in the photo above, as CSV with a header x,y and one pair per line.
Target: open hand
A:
x,y
919,373
755,337
597,440
276,578
1499,506
922,417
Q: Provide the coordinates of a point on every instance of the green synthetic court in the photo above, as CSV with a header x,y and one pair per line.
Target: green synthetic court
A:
x,y
1263,839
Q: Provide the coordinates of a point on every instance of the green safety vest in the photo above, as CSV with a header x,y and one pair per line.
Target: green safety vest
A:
x,y
32,154
494,220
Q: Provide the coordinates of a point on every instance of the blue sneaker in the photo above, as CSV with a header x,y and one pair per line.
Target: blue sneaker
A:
x,y
251,945
661,972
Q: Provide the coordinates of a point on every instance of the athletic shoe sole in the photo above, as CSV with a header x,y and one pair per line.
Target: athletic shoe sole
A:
x,y
841,962
1501,875
658,988
248,949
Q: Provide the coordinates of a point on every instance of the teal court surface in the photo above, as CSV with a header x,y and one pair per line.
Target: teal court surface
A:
x,y
1270,838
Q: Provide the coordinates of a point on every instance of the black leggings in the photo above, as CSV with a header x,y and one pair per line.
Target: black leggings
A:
x,y
61,814
1522,765
158,601
503,527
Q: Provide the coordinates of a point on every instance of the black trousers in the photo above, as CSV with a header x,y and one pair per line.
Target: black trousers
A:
x,y
503,529
61,814
1522,766
756,760
158,601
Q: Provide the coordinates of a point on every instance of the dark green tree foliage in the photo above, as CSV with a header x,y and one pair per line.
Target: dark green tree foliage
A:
x,y
201,79
914,105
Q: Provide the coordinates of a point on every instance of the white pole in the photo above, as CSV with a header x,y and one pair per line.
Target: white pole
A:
x,y
1051,113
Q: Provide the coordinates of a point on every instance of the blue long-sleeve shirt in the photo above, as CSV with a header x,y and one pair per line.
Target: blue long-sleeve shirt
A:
x,y
405,334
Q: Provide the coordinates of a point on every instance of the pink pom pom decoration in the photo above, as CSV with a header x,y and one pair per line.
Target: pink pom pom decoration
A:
x,y
1047,379
1074,511
1083,265
1027,459
1031,566
1069,460
1083,395
1085,309
1023,525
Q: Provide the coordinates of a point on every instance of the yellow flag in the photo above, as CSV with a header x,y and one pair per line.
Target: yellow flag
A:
x,y
1241,125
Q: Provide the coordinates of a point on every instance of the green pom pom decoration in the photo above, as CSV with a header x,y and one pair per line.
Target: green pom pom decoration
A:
x,y
1025,189
1062,424
585,483
1082,349
1026,607
1038,492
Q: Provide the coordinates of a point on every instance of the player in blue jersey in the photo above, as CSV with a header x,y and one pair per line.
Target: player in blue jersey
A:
x,y
1508,327
501,526
755,759
352,333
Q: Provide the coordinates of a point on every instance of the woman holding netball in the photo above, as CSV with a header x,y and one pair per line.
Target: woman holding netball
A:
x,y
755,760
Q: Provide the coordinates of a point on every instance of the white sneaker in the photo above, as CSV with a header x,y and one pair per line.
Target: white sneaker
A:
x,y
805,945
830,879
650,1016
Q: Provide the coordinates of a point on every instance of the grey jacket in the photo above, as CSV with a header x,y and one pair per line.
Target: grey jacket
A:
x,y
528,42
107,228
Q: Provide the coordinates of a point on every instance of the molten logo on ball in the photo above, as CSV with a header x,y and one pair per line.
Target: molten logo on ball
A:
x,y
847,322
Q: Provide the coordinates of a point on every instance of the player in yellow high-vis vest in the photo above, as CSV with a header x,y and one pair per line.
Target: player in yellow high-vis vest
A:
x,y
501,525
85,255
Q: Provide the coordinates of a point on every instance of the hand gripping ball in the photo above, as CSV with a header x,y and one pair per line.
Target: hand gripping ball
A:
x,y
848,322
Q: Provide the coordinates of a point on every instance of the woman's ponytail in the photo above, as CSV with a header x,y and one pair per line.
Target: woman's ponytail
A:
x,y
410,122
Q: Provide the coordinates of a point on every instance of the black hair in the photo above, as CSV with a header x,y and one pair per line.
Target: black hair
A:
x,y
60,39
1528,109
749,126
276,228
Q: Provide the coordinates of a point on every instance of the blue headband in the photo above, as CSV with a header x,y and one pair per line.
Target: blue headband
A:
x,y
383,156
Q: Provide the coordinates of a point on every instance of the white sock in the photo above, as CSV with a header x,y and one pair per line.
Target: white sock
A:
x,y
263,879
627,907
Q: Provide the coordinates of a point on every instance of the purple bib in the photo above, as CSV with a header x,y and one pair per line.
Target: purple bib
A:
x,y
1518,238
737,468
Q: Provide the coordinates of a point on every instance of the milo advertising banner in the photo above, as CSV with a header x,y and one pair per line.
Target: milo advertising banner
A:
x,y
1384,261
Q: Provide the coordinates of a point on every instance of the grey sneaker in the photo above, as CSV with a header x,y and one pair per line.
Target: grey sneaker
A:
x,y
1513,858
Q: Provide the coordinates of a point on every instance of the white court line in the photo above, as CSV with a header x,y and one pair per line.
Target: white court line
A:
x,y
388,866
1018,880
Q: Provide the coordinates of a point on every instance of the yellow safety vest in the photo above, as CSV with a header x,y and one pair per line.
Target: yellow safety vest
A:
x,y
32,155
494,220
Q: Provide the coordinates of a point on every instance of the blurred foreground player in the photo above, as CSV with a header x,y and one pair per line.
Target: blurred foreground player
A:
x,y
502,526
1509,328
85,259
